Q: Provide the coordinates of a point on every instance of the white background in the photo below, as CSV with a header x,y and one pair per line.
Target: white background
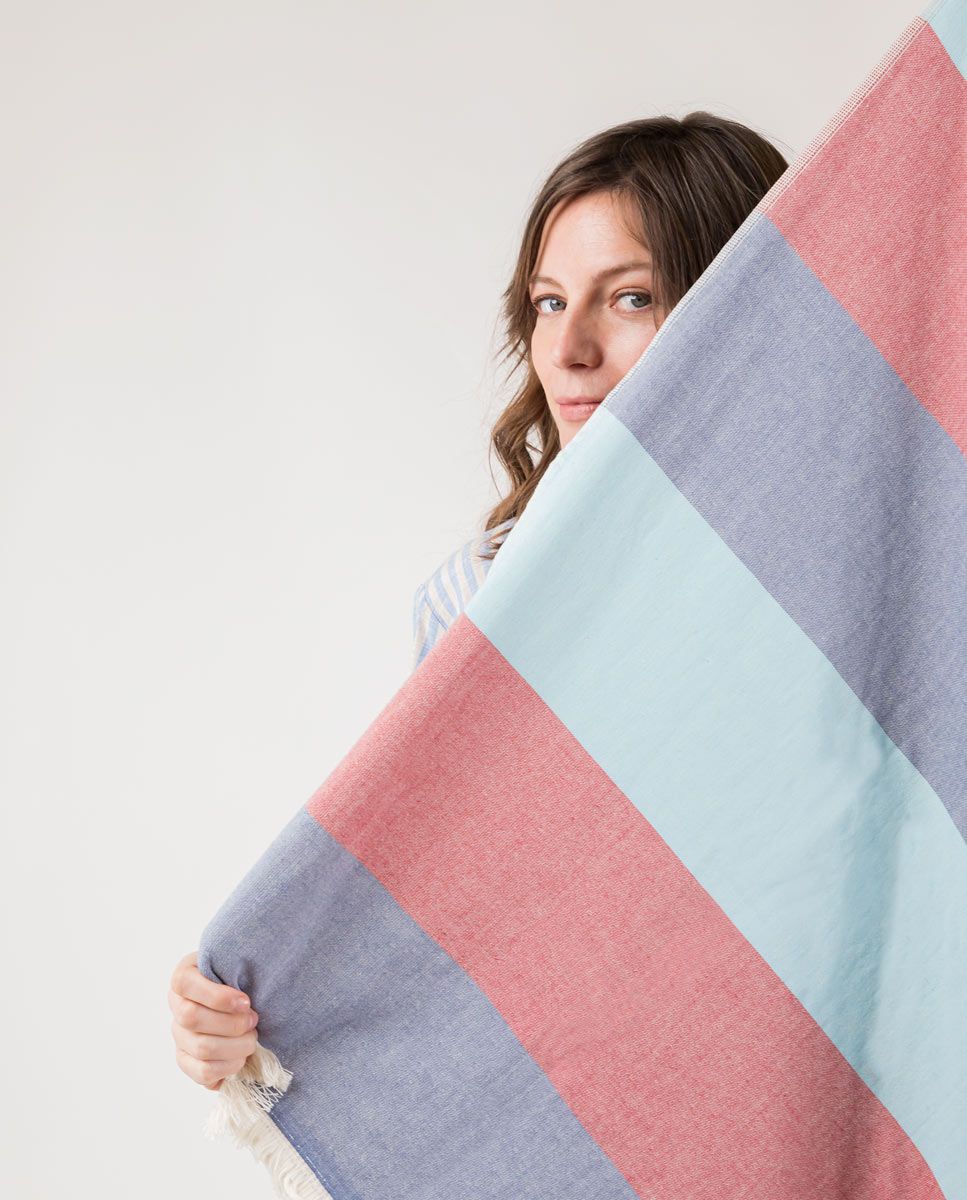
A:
x,y
251,259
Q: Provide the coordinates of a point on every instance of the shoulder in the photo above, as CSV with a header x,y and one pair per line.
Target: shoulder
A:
x,y
447,591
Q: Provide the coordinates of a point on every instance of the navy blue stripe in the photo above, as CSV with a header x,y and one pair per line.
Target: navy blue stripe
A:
x,y
399,1060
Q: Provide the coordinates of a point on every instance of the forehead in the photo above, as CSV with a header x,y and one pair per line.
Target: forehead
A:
x,y
590,232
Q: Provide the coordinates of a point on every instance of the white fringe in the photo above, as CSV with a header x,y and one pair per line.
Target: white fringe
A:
x,y
243,1101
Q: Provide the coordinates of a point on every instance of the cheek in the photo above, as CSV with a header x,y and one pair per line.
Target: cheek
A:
x,y
539,351
634,345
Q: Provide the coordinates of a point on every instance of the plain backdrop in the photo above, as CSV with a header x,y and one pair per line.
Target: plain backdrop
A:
x,y
252,257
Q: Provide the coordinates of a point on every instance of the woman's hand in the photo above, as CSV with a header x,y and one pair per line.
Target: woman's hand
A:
x,y
213,1034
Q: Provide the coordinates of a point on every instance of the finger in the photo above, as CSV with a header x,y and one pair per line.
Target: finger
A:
x,y
209,1047
189,982
209,1074
191,1015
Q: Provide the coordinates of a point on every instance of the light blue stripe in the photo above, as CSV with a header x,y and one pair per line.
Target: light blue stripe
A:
x,y
436,586
459,589
470,579
948,19
741,744
427,626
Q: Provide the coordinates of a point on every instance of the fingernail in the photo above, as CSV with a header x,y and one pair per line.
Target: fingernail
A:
x,y
253,1020
242,1002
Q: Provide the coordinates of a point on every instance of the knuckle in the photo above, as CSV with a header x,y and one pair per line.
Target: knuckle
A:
x,y
180,966
188,1015
209,1073
202,1047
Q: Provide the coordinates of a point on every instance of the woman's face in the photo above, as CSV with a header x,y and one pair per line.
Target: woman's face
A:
x,y
591,289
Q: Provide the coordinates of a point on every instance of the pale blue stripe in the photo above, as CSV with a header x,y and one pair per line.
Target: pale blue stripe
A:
x,y
745,749
440,592
419,642
459,589
424,639
948,19
435,630
470,579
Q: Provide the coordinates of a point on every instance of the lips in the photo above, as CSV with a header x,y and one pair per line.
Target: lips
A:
x,y
577,408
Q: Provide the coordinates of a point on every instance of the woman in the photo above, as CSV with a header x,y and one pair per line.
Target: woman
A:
x,y
657,198
619,232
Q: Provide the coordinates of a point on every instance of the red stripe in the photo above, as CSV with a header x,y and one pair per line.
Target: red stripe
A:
x,y
878,216
680,1051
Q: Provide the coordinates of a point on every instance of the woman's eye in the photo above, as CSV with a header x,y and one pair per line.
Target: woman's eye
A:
x,y
644,296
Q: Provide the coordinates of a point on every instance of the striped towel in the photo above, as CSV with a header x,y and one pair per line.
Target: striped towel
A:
x,y
651,880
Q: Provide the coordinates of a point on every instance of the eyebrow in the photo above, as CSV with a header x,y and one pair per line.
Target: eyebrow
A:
x,y
618,270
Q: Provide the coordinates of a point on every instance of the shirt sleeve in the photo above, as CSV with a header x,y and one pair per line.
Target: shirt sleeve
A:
x,y
427,626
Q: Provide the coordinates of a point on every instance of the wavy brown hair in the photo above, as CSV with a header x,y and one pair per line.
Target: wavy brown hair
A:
x,y
691,183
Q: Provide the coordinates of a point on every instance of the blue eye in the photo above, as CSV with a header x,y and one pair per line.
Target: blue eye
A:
x,y
645,295
536,303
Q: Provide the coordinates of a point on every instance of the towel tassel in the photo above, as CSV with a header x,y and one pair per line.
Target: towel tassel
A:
x,y
244,1100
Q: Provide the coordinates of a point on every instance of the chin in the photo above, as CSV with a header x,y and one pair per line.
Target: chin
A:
x,y
570,429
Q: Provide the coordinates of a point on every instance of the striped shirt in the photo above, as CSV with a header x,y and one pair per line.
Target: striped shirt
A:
x,y
441,598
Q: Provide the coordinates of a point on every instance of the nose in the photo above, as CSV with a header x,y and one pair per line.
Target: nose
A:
x,y
576,343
